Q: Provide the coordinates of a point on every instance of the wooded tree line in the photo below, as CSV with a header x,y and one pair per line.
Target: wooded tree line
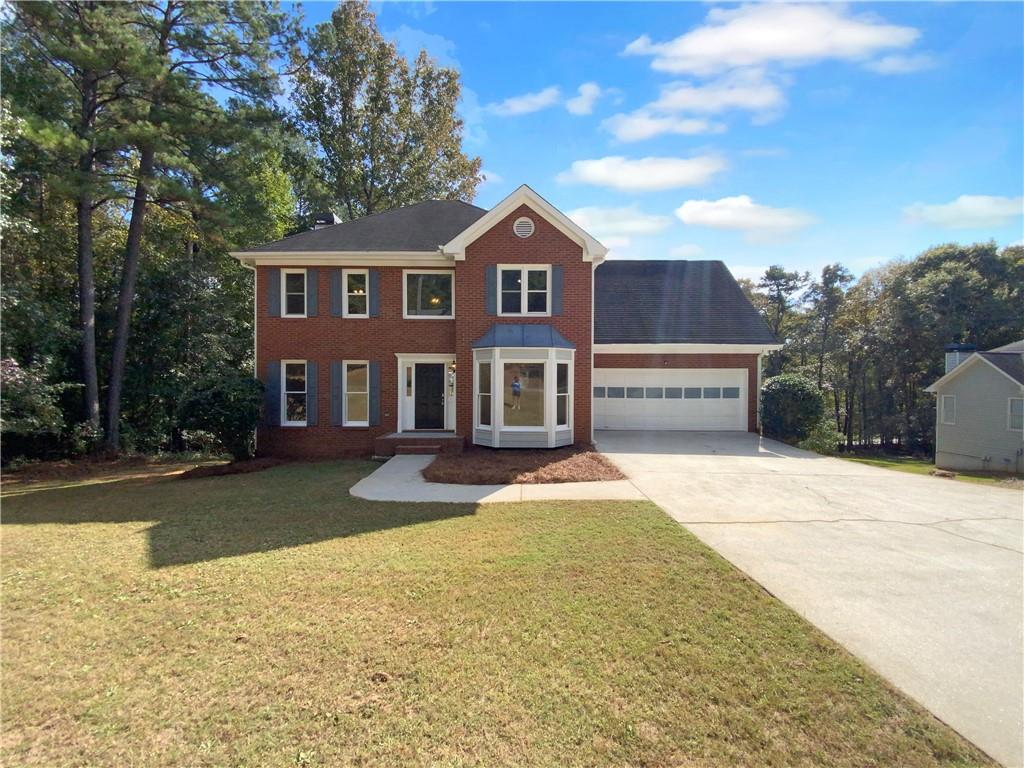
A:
x,y
142,141
872,345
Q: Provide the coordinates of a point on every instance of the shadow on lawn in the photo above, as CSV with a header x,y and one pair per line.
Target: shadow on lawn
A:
x,y
211,518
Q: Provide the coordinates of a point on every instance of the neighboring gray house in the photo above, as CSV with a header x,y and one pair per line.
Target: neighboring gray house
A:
x,y
979,409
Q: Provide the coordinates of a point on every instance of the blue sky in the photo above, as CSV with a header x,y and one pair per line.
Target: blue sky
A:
x,y
755,134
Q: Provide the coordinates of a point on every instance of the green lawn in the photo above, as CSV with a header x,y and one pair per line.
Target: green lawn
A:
x,y
270,619
924,467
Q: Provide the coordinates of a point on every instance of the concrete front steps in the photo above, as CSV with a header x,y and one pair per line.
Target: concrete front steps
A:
x,y
418,443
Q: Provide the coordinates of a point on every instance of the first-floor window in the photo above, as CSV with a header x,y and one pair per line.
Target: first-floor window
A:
x,y
948,409
523,395
483,385
562,395
1016,417
357,394
293,394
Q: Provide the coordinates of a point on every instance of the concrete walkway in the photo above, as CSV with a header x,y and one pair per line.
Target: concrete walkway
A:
x,y
920,577
400,480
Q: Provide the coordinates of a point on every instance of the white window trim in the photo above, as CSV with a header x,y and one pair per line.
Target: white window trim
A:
x,y
344,406
345,294
1009,413
477,411
546,363
524,290
284,291
942,410
568,396
284,392
405,292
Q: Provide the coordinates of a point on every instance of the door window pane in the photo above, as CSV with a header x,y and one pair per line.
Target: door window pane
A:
x,y
428,294
673,393
731,393
598,391
616,392
712,393
653,393
523,395
634,393
691,393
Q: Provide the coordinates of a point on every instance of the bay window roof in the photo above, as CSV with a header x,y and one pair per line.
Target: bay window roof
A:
x,y
522,335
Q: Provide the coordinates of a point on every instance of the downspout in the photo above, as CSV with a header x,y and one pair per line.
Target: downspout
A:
x,y
255,362
760,357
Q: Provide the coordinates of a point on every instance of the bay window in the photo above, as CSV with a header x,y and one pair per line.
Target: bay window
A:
x,y
483,397
523,395
562,409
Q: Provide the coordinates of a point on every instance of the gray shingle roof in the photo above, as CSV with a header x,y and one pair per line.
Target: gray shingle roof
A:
x,y
420,227
1010,363
673,302
522,335
1013,346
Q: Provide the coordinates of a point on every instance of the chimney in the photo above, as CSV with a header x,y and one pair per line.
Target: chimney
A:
x,y
957,353
322,220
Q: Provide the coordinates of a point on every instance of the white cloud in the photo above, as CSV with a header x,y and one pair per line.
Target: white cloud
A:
x,y
411,41
759,222
686,251
759,34
746,89
640,125
526,103
749,271
624,221
490,178
968,211
644,174
900,64
583,104
472,117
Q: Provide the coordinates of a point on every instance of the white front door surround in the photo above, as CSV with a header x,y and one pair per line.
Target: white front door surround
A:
x,y
406,379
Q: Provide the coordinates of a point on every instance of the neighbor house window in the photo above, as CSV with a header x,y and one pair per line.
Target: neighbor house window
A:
x,y
483,397
524,290
428,294
1016,414
357,394
523,395
356,292
562,395
947,407
293,292
293,393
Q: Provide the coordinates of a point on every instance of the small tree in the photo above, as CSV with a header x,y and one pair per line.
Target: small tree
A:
x,y
228,407
791,406
30,419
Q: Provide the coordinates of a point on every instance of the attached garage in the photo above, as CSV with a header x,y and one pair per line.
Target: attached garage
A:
x,y
680,399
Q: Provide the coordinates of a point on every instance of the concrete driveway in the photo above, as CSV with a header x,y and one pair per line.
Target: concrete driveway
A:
x,y
919,577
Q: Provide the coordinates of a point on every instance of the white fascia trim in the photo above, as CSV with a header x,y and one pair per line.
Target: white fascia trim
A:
x,y
343,258
592,249
664,349
975,357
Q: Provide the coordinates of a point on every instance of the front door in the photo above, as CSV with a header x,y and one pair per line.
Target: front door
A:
x,y
429,388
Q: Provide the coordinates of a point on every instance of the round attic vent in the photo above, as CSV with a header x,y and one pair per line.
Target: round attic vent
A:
x,y
523,227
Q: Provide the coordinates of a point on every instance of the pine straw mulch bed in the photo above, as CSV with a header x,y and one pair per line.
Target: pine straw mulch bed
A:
x,y
501,466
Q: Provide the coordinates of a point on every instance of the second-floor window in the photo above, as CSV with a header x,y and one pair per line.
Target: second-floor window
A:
x,y
524,290
293,290
428,294
356,293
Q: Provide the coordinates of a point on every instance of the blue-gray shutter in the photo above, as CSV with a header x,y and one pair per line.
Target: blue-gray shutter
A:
x,y
337,295
274,291
311,394
374,394
373,287
556,290
337,393
311,293
491,289
272,394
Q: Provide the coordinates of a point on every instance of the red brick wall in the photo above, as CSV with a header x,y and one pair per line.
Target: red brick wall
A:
x,y
604,360
547,245
325,338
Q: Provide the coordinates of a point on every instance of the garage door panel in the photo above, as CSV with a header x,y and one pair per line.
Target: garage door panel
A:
x,y
670,399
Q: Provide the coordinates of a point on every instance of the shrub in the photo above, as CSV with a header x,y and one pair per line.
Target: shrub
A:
x,y
823,438
228,407
31,420
791,406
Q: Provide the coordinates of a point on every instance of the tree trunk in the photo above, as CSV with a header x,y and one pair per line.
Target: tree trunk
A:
x,y
86,282
126,299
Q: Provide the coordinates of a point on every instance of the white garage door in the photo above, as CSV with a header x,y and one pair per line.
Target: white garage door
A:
x,y
676,398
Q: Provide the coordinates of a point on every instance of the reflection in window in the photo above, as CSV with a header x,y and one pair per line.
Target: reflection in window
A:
x,y
562,396
355,293
295,293
523,395
357,394
483,383
428,294
294,393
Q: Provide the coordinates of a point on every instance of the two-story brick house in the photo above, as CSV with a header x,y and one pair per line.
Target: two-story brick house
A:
x,y
441,324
